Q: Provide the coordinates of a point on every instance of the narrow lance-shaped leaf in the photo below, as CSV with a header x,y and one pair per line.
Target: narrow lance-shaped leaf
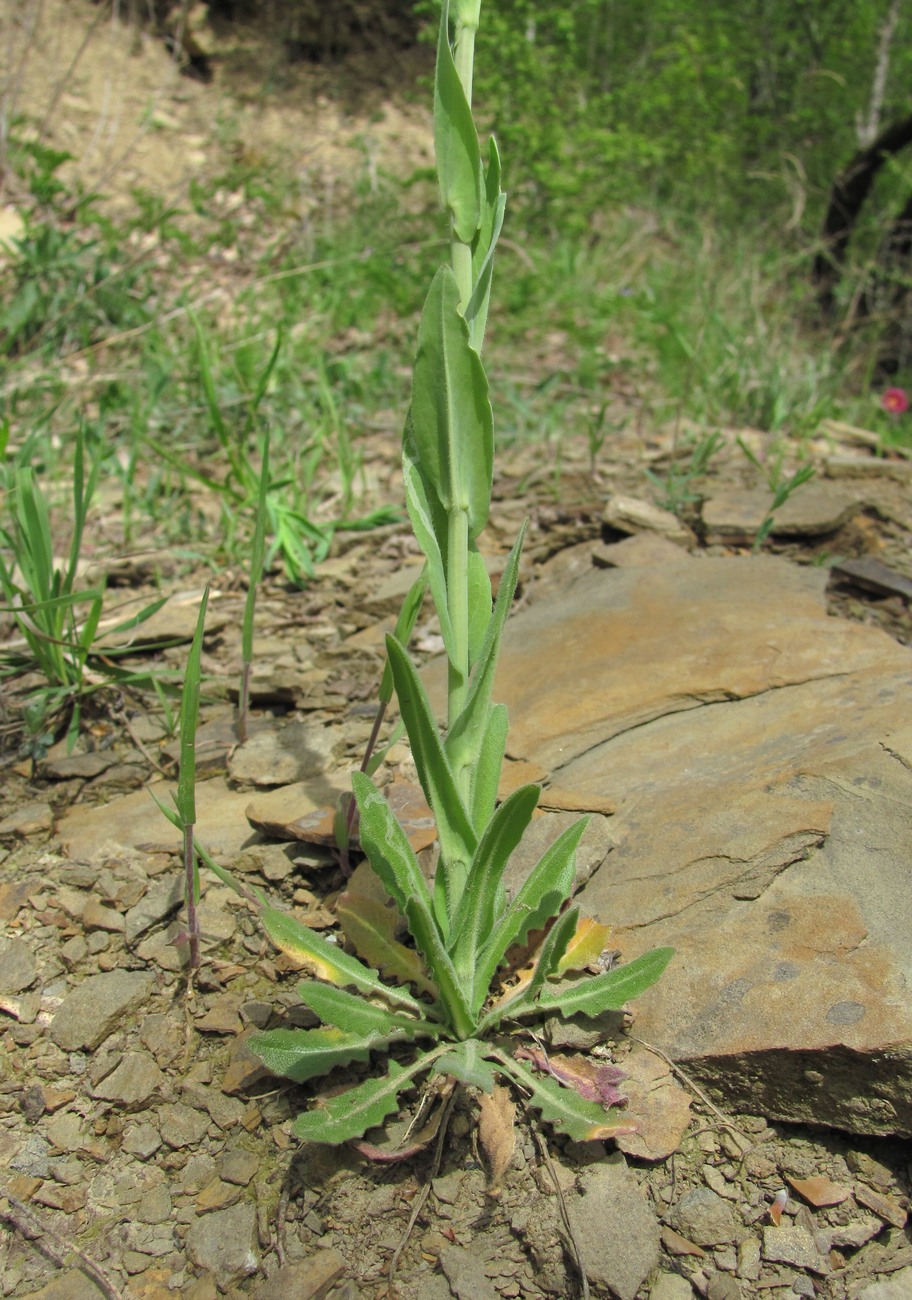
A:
x,y
37,556
429,523
549,955
394,861
542,895
452,424
208,383
387,847
609,991
474,919
355,1015
266,373
454,828
456,141
467,733
480,601
82,495
127,625
493,209
405,625
488,767
327,960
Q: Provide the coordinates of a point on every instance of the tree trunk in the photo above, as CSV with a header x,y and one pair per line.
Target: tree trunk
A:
x,y
847,199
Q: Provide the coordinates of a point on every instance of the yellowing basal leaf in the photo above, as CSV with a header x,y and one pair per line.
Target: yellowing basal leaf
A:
x,y
586,946
369,926
327,960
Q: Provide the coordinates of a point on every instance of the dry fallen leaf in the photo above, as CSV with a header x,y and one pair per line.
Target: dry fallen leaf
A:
x,y
593,1080
497,1134
820,1190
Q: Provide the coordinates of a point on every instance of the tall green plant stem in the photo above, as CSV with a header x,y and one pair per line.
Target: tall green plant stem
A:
x,y
468,13
467,18
458,600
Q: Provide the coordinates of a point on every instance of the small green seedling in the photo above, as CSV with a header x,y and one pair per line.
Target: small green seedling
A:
x,y
183,815
254,577
443,1007
58,622
781,489
677,487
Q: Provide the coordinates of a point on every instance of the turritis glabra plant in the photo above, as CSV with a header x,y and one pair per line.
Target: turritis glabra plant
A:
x,y
456,1003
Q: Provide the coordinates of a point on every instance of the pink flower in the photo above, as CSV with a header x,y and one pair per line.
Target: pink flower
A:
x,y
895,400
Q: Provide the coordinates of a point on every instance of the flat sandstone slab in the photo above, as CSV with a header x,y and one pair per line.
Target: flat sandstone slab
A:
x,y
754,748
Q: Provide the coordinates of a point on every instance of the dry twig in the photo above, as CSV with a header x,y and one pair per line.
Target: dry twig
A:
x,y
562,1205
26,1222
422,1196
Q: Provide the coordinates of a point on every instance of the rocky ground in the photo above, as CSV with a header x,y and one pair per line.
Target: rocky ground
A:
x,y
141,1145
142,1151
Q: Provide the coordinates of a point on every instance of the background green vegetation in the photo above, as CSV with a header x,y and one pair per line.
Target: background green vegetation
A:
x,y
727,107
668,169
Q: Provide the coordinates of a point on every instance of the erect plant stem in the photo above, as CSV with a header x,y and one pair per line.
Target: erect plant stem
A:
x,y
244,702
464,51
193,930
461,262
458,601
464,58
467,16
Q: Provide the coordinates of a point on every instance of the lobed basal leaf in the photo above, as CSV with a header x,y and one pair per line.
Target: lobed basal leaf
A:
x,y
351,1113
369,926
302,1054
563,1108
